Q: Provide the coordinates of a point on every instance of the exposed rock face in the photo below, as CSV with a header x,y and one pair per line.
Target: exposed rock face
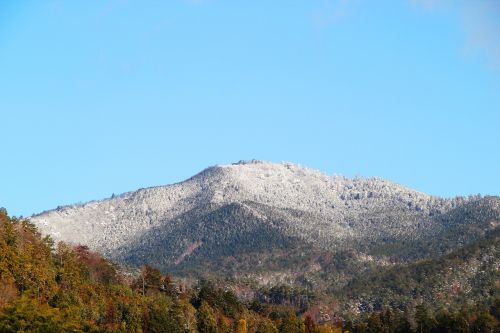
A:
x,y
232,210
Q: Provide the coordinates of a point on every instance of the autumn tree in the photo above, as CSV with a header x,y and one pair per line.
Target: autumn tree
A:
x,y
241,326
266,326
309,324
327,328
27,315
289,323
486,323
206,320
375,323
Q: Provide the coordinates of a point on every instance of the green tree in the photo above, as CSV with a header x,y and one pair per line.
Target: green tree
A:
x,y
399,323
266,326
26,315
289,323
375,323
207,323
182,318
485,323
425,323
158,313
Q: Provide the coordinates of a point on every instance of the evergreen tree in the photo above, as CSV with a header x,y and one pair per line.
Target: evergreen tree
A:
x,y
425,323
485,323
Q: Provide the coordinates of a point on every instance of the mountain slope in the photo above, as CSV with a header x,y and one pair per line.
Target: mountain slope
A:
x,y
273,223
469,274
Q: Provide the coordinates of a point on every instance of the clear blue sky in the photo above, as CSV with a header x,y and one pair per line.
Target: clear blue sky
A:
x,y
102,97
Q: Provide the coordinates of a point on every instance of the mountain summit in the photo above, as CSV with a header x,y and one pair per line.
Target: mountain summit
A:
x,y
291,200
259,219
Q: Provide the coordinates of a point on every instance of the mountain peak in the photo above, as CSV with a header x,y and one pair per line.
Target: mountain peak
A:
x,y
282,199
252,161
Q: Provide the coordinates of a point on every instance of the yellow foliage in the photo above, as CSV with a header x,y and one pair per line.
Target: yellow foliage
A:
x,y
242,326
328,328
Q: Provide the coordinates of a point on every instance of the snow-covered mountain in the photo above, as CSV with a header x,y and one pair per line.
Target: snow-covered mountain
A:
x,y
262,207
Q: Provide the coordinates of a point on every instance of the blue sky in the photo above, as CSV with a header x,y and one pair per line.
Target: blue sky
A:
x,y
102,97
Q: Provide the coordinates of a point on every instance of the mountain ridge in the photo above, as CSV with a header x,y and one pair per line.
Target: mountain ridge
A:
x,y
213,183
254,206
263,224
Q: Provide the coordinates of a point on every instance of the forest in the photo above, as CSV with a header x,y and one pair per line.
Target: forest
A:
x,y
48,287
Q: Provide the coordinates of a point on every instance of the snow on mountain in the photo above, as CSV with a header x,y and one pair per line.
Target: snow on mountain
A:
x,y
297,201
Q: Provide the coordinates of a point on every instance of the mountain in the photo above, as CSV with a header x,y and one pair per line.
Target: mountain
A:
x,y
465,275
275,223
72,289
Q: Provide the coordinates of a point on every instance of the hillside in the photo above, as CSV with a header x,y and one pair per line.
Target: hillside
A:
x,y
50,289
270,224
465,276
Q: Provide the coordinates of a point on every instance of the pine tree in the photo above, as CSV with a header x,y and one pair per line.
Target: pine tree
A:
x,y
425,323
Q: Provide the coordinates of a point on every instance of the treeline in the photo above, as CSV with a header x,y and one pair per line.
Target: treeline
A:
x,y
465,320
61,288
